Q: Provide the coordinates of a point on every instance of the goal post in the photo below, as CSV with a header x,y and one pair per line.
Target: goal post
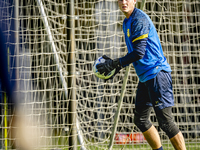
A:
x,y
97,31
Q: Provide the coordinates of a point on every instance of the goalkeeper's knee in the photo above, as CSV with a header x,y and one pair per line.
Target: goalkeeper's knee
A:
x,y
141,120
166,123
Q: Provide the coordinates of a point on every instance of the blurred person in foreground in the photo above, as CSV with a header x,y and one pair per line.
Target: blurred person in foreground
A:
x,y
6,88
22,129
155,83
5,82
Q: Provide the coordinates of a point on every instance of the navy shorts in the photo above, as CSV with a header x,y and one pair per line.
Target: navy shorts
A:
x,y
156,92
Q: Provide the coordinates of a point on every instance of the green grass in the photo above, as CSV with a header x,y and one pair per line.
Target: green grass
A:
x,y
62,143
145,146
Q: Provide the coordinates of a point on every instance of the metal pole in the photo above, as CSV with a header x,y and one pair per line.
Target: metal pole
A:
x,y
117,114
16,40
72,77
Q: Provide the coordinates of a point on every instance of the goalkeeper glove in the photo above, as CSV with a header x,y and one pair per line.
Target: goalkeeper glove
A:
x,y
109,65
116,71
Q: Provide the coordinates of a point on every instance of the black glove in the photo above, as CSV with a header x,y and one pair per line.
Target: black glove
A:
x,y
108,65
116,71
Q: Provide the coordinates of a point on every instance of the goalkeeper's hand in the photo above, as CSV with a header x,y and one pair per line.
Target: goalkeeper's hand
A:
x,y
108,66
116,71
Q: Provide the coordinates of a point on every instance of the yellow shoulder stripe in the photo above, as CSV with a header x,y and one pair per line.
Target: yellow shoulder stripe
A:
x,y
141,37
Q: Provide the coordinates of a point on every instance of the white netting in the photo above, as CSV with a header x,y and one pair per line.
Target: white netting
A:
x,y
98,31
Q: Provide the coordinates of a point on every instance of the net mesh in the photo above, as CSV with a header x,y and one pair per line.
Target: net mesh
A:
x,y
97,31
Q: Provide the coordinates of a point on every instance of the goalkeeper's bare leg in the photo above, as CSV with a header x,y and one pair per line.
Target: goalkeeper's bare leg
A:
x,y
152,137
178,142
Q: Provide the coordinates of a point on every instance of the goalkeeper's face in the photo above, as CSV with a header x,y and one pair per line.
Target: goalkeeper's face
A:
x,y
127,6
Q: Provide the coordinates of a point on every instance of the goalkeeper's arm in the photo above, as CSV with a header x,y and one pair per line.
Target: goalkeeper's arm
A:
x,y
139,48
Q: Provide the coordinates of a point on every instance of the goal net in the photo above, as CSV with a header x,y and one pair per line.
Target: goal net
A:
x,y
40,56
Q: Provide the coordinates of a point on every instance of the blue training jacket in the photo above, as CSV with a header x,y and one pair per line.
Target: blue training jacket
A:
x,y
144,47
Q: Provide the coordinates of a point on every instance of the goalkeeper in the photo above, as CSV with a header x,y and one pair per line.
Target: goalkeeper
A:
x,y
155,84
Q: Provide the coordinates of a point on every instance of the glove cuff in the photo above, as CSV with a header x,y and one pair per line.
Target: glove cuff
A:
x,y
116,63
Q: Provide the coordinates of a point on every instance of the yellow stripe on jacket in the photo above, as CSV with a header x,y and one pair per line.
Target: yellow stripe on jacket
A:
x,y
141,37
